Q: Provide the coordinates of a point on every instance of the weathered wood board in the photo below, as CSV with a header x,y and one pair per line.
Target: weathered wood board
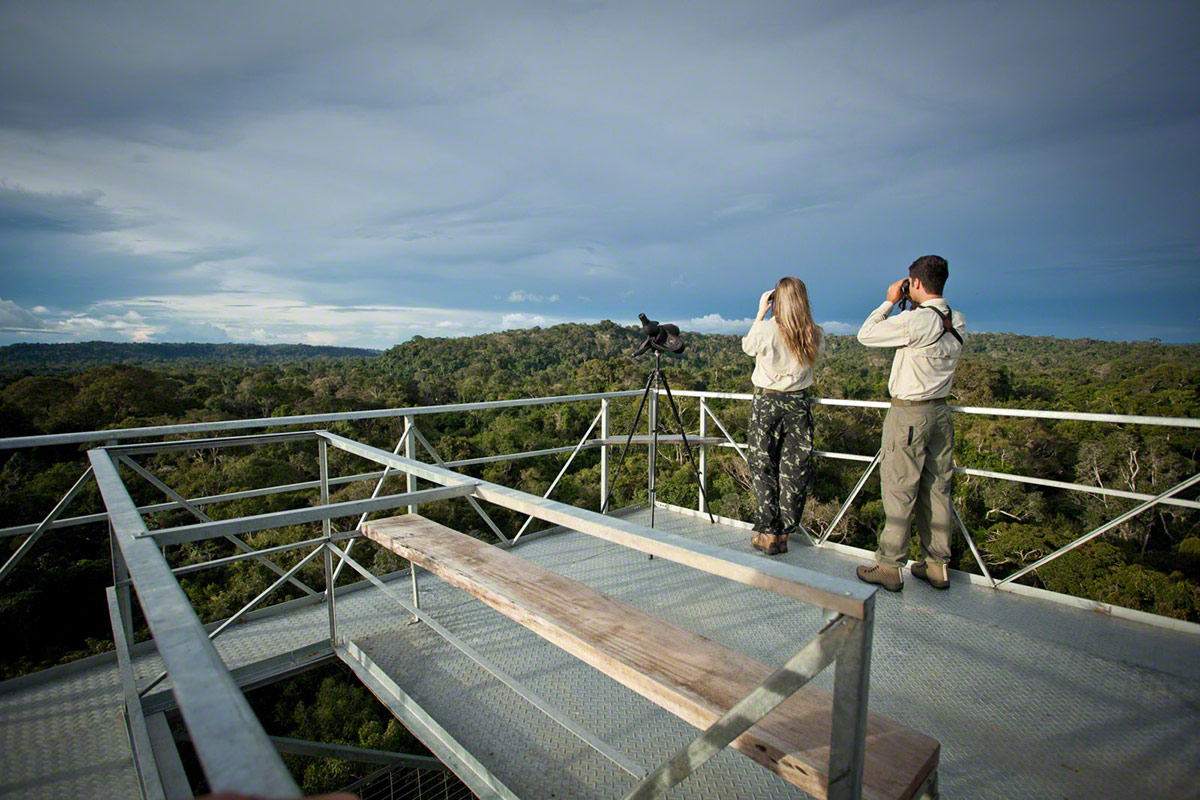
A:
x,y
689,675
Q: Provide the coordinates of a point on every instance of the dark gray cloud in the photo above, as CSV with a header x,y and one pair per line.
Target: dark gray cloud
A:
x,y
446,156
81,213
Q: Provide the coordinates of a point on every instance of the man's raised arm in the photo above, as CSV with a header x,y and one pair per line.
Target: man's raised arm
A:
x,y
878,330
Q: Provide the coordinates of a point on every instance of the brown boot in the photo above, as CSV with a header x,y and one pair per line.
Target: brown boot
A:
x,y
936,574
782,539
768,543
887,577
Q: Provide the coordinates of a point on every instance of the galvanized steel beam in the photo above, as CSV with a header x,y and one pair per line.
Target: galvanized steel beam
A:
x,y
810,586
524,691
144,762
17,442
232,747
745,713
449,750
279,519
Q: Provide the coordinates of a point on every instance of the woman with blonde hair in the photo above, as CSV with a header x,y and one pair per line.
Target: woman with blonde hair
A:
x,y
784,347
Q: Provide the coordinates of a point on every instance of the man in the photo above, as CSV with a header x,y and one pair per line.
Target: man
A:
x,y
918,433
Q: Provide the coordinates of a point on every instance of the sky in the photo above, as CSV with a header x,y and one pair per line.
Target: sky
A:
x,y
359,173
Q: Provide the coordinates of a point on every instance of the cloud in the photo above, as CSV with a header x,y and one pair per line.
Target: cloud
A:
x,y
715,323
511,321
399,155
13,316
835,327
84,212
522,296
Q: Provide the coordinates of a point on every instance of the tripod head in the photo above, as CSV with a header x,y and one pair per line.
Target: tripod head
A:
x,y
663,338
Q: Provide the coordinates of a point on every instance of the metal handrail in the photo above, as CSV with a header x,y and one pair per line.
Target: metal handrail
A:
x,y
115,434
140,566
1149,501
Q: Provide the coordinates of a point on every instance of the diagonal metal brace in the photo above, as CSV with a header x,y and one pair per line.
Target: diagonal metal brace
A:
x,y
733,442
200,515
862,481
388,471
562,471
58,509
1087,537
245,609
778,687
474,503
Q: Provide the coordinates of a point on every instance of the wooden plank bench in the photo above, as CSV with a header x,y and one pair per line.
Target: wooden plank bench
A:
x,y
689,675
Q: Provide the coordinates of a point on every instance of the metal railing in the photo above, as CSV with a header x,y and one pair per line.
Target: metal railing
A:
x,y
235,752
1148,501
228,741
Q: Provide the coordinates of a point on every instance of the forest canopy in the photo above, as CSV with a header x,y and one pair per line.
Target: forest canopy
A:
x,y
1151,562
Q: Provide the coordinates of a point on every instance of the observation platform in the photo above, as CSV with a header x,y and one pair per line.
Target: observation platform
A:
x,y
1030,698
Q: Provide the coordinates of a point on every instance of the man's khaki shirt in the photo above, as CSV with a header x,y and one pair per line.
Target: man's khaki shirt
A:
x,y
924,364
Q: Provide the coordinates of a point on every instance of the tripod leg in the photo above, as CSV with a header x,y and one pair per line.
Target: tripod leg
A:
x,y
621,461
686,448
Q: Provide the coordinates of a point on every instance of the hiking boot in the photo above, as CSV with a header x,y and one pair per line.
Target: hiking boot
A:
x,y
782,540
768,543
887,577
936,574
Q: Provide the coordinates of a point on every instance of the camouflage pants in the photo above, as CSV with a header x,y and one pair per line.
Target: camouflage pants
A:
x,y
780,455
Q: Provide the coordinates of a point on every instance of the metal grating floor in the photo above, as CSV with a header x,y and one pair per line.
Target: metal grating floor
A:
x,y
1030,699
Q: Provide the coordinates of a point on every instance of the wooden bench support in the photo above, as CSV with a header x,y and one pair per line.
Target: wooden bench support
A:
x,y
689,675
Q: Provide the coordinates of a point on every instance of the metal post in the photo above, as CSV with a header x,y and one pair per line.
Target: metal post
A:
x,y
327,532
412,568
851,685
323,450
603,452
121,584
330,595
410,452
745,713
652,421
703,501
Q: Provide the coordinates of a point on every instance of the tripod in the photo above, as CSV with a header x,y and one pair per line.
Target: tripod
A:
x,y
656,380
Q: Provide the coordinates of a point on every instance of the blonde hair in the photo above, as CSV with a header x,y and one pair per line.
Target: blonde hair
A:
x,y
794,317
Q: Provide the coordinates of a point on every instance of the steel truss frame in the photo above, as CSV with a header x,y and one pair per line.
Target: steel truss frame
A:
x,y
409,415
1149,501
846,639
138,563
235,752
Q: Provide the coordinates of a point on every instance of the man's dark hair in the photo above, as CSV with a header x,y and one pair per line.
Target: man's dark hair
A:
x,y
931,271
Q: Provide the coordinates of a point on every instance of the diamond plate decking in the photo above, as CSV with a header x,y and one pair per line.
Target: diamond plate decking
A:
x,y
1029,698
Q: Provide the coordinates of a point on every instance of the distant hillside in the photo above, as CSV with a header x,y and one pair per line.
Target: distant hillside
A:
x,y
996,368
70,357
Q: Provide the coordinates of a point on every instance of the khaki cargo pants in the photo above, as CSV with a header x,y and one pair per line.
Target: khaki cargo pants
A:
x,y
915,474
